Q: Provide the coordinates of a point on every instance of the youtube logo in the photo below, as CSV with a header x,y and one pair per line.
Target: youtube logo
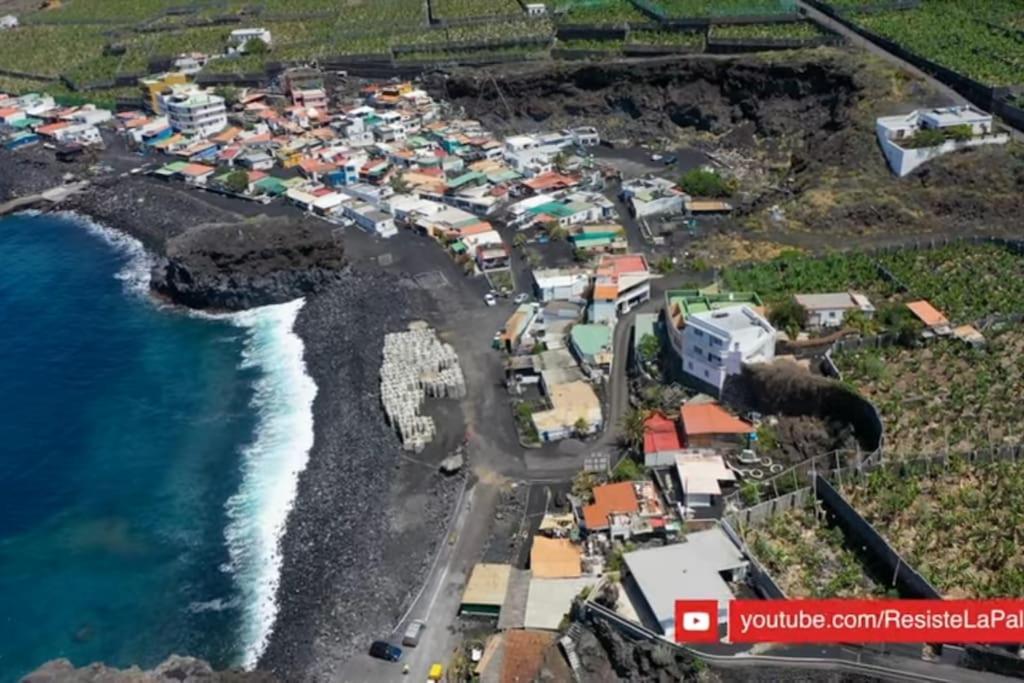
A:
x,y
696,621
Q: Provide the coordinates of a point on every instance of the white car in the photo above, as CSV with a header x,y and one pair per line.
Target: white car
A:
x,y
489,299
521,298
656,157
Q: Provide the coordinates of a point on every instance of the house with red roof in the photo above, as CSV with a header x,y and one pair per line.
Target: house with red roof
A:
x,y
662,440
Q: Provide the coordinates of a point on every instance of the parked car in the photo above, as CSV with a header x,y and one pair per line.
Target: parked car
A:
x,y
413,632
670,160
490,299
386,651
656,157
436,672
521,298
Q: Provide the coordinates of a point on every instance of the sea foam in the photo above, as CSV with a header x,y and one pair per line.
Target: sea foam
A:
x,y
270,465
139,262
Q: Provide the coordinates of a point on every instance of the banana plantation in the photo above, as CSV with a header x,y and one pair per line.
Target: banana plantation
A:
x,y
966,281
809,559
959,526
945,397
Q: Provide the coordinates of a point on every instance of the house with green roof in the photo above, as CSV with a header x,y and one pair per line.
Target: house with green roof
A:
x,y
680,304
592,344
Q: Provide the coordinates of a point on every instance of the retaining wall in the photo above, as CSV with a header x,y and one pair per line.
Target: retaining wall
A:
x,y
861,534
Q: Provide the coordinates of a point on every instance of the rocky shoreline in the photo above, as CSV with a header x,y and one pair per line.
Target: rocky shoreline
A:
x,y
365,522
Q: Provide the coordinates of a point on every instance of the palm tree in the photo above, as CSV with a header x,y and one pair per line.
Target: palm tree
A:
x,y
634,426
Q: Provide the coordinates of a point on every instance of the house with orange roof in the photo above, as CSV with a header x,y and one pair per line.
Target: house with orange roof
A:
x,y
610,511
8,115
709,425
621,282
50,129
196,174
315,169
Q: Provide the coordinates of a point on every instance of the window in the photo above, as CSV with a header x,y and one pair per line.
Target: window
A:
x,y
698,333
706,374
715,341
832,314
689,365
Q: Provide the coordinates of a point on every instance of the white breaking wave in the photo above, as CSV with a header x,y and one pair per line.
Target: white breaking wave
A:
x,y
135,273
270,465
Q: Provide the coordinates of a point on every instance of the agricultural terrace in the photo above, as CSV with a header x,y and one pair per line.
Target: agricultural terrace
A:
x,y
965,281
968,37
457,9
789,31
960,527
723,8
604,12
946,396
809,559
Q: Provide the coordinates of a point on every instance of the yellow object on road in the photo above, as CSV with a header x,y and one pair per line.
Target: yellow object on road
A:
x,y
436,671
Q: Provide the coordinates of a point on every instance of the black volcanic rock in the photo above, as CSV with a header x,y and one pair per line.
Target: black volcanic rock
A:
x,y
234,266
174,668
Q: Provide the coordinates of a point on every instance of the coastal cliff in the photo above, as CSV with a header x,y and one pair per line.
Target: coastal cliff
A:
x,y
174,668
212,252
235,266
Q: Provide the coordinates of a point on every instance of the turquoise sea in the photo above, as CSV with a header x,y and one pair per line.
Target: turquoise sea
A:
x,y
148,458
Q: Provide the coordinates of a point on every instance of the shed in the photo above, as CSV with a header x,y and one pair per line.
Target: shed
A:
x,y
555,558
551,599
928,314
485,590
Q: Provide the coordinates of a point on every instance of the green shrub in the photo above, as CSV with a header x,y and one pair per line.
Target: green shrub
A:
x,y
705,183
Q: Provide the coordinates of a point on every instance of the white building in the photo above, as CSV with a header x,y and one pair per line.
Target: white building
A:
x,y
239,37
536,9
652,196
92,116
78,133
717,343
194,111
829,310
371,220
896,135
8,21
560,284
701,476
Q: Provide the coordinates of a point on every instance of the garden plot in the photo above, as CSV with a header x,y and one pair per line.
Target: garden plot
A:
x,y
809,559
605,12
803,30
718,8
945,397
456,9
960,527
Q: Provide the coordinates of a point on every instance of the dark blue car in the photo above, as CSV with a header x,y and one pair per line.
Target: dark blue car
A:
x,y
382,650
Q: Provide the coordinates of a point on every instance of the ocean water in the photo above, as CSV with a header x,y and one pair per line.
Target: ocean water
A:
x,y
148,458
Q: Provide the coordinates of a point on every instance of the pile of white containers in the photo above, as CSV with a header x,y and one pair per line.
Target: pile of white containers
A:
x,y
416,365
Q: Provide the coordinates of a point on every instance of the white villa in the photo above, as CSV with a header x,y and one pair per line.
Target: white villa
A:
x,y
897,135
717,343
